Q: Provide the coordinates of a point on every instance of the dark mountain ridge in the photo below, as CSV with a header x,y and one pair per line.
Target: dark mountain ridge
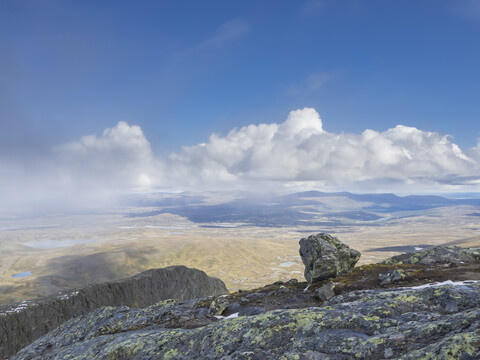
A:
x,y
297,209
24,322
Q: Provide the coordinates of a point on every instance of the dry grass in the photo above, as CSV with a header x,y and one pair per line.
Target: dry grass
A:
x,y
243,257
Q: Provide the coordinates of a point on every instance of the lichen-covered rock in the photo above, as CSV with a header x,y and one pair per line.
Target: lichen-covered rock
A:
x,y
428,322
218,306
437,255
391,276
22,323
325,257
325,292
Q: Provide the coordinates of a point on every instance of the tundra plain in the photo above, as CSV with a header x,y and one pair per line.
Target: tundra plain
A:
x,y
245,240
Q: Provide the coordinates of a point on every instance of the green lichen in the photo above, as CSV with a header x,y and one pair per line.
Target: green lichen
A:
x,y
170,354
358,325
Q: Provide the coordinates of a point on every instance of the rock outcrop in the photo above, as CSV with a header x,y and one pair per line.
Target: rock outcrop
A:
x,y
373,312
434,322
391,276
437,255
325,292
324,257
22,323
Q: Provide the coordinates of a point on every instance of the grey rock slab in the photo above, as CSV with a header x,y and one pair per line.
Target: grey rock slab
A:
x,y
437,255
391,276
365,324
325,292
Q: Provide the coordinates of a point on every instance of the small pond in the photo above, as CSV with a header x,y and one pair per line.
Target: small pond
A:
x,y
22,274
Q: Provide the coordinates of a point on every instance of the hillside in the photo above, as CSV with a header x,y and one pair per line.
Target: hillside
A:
x,y
24,322
420,306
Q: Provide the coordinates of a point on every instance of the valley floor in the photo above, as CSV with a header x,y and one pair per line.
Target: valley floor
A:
x,y
45,255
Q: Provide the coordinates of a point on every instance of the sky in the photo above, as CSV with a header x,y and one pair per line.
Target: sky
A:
x,y
107,97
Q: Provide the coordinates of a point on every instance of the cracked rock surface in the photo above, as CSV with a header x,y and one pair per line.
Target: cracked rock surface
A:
x,y
435,322
433,313
24,322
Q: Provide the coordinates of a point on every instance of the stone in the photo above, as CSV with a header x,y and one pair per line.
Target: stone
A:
x,y
391,276
325,257
22,323
218,306
325,292
388,353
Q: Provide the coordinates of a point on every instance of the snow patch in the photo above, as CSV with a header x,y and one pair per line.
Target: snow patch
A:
x,y
220,317
67,296
448,282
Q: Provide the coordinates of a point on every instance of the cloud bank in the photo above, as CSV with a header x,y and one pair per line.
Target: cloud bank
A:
x,y
118,159
297,152
300,150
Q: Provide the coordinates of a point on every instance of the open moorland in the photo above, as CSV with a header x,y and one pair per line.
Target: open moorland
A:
x,y
247,241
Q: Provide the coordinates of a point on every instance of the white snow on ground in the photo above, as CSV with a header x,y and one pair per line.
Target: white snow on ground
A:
x,y
288,263
24,304
19,308
227,317
66,296
448,282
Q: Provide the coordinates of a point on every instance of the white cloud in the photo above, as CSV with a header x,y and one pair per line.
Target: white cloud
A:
x,y
474,153
300,150
88,172
298,153
120,158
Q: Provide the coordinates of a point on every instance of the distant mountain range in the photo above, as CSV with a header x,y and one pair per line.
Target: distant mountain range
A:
x,y
313,208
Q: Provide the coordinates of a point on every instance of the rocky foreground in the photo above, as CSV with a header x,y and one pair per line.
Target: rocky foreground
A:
x,y
424,305
22,323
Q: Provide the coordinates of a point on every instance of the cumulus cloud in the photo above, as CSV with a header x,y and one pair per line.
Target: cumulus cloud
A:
x,y
121,158
475,152
88,172
301,150
298,153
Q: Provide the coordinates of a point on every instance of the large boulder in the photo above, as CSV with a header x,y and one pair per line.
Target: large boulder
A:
x,y
326,257
24,322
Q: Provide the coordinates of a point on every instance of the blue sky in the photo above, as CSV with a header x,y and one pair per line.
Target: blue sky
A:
x,y
72,68
182,70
